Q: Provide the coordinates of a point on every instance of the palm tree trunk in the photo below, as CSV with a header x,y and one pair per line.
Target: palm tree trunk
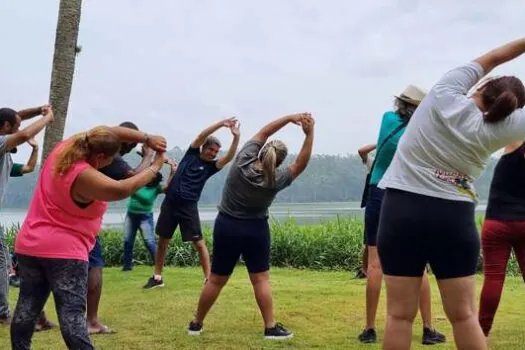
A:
x,y
63,69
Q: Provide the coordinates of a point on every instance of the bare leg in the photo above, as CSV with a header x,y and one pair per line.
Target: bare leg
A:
x,y
210,293
373,286
402,304
458,296
93,298
425,302
201,248
263,296
160,257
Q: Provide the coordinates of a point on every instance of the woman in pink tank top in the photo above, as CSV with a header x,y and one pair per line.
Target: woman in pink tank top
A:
x,y
62,222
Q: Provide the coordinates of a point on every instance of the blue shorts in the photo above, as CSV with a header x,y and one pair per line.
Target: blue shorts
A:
x,y
95,255
372,214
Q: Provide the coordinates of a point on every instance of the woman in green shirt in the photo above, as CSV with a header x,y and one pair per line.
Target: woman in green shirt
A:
x,y
140,217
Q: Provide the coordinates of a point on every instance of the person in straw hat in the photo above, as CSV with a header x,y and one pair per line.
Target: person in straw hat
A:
x,y
392,128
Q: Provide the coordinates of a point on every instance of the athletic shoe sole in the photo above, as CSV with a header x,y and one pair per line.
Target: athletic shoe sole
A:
x,y
157,286
195,333
273,337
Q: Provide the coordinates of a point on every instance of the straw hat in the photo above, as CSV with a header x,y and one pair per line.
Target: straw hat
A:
x,y
412,94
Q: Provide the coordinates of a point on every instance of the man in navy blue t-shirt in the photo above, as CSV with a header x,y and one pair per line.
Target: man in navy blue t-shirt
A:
x,y
179,208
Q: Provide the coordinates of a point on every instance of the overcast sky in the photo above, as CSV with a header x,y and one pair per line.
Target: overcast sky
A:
x,y
174,67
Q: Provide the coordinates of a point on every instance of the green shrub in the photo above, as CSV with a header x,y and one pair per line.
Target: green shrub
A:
x,y
334,244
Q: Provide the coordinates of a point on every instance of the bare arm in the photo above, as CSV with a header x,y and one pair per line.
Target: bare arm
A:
x,y
158,143
203,135
147,157
31,163
93,185
303,158
233,147
172,173
502,54
29,113
271,128
364,151
30,131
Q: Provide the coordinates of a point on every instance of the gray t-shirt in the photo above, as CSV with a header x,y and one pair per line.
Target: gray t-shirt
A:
x,y
447,143
6,163
245,196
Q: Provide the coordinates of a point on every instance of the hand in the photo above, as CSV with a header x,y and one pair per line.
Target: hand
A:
x,y
147,152
297,118
173,164
235,129
44,109
32,142
229,122
48,113
158,143
159,159
307,123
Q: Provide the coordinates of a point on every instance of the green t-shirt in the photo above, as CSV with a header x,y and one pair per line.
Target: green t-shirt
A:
x,y
16,170
385,155
141,202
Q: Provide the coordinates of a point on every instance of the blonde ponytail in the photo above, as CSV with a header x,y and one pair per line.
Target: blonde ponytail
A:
x,y
99,140
271,156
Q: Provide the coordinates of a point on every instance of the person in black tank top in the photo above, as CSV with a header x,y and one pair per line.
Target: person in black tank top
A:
x,y
503,229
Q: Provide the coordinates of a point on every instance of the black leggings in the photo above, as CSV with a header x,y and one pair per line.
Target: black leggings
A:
x,y
67,279
415,230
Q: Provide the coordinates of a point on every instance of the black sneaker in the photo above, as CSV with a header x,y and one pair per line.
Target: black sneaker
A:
x,y
368,336
153,283
194,328
360,274
431,337
277,332
14,281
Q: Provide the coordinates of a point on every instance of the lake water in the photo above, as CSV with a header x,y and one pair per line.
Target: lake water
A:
x,y
302,213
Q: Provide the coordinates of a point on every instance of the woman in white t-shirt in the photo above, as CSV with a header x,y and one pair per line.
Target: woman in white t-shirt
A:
x,y
428,209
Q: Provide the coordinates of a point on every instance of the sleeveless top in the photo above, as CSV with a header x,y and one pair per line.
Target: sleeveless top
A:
x,y
55,225
507,190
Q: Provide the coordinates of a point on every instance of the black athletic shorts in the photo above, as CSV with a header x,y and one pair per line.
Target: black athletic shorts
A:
x,y
415,230
181,213
234,237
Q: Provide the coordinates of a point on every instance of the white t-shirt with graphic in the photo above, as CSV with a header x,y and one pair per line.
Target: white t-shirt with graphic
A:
x,y
447,143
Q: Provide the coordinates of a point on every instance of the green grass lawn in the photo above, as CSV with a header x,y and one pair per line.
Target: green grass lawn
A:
x,y
324,309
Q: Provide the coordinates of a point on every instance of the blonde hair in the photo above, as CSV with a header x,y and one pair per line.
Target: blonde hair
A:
x,y
271,156
99,140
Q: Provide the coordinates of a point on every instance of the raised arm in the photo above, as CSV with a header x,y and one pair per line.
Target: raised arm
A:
x,y
271,128
502,54
29,113
27,133
233,147
364,151
173,170
304,155
93,185
31,163
158,143
203,135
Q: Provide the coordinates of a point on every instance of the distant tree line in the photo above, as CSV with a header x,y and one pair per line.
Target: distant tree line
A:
x,y
328,178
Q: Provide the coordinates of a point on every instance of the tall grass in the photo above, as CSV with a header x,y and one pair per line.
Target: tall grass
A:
x,y
334,244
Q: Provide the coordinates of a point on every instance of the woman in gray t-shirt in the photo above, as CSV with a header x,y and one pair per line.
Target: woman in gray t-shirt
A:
x,y
241,227
428,209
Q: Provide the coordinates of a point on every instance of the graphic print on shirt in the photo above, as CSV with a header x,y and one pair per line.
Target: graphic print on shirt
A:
x,y
462,182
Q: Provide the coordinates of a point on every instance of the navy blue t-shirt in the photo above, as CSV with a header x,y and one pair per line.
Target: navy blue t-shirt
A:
x,y
118,170
191,176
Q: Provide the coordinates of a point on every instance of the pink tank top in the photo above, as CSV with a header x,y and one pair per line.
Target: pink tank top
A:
x,y
55,226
